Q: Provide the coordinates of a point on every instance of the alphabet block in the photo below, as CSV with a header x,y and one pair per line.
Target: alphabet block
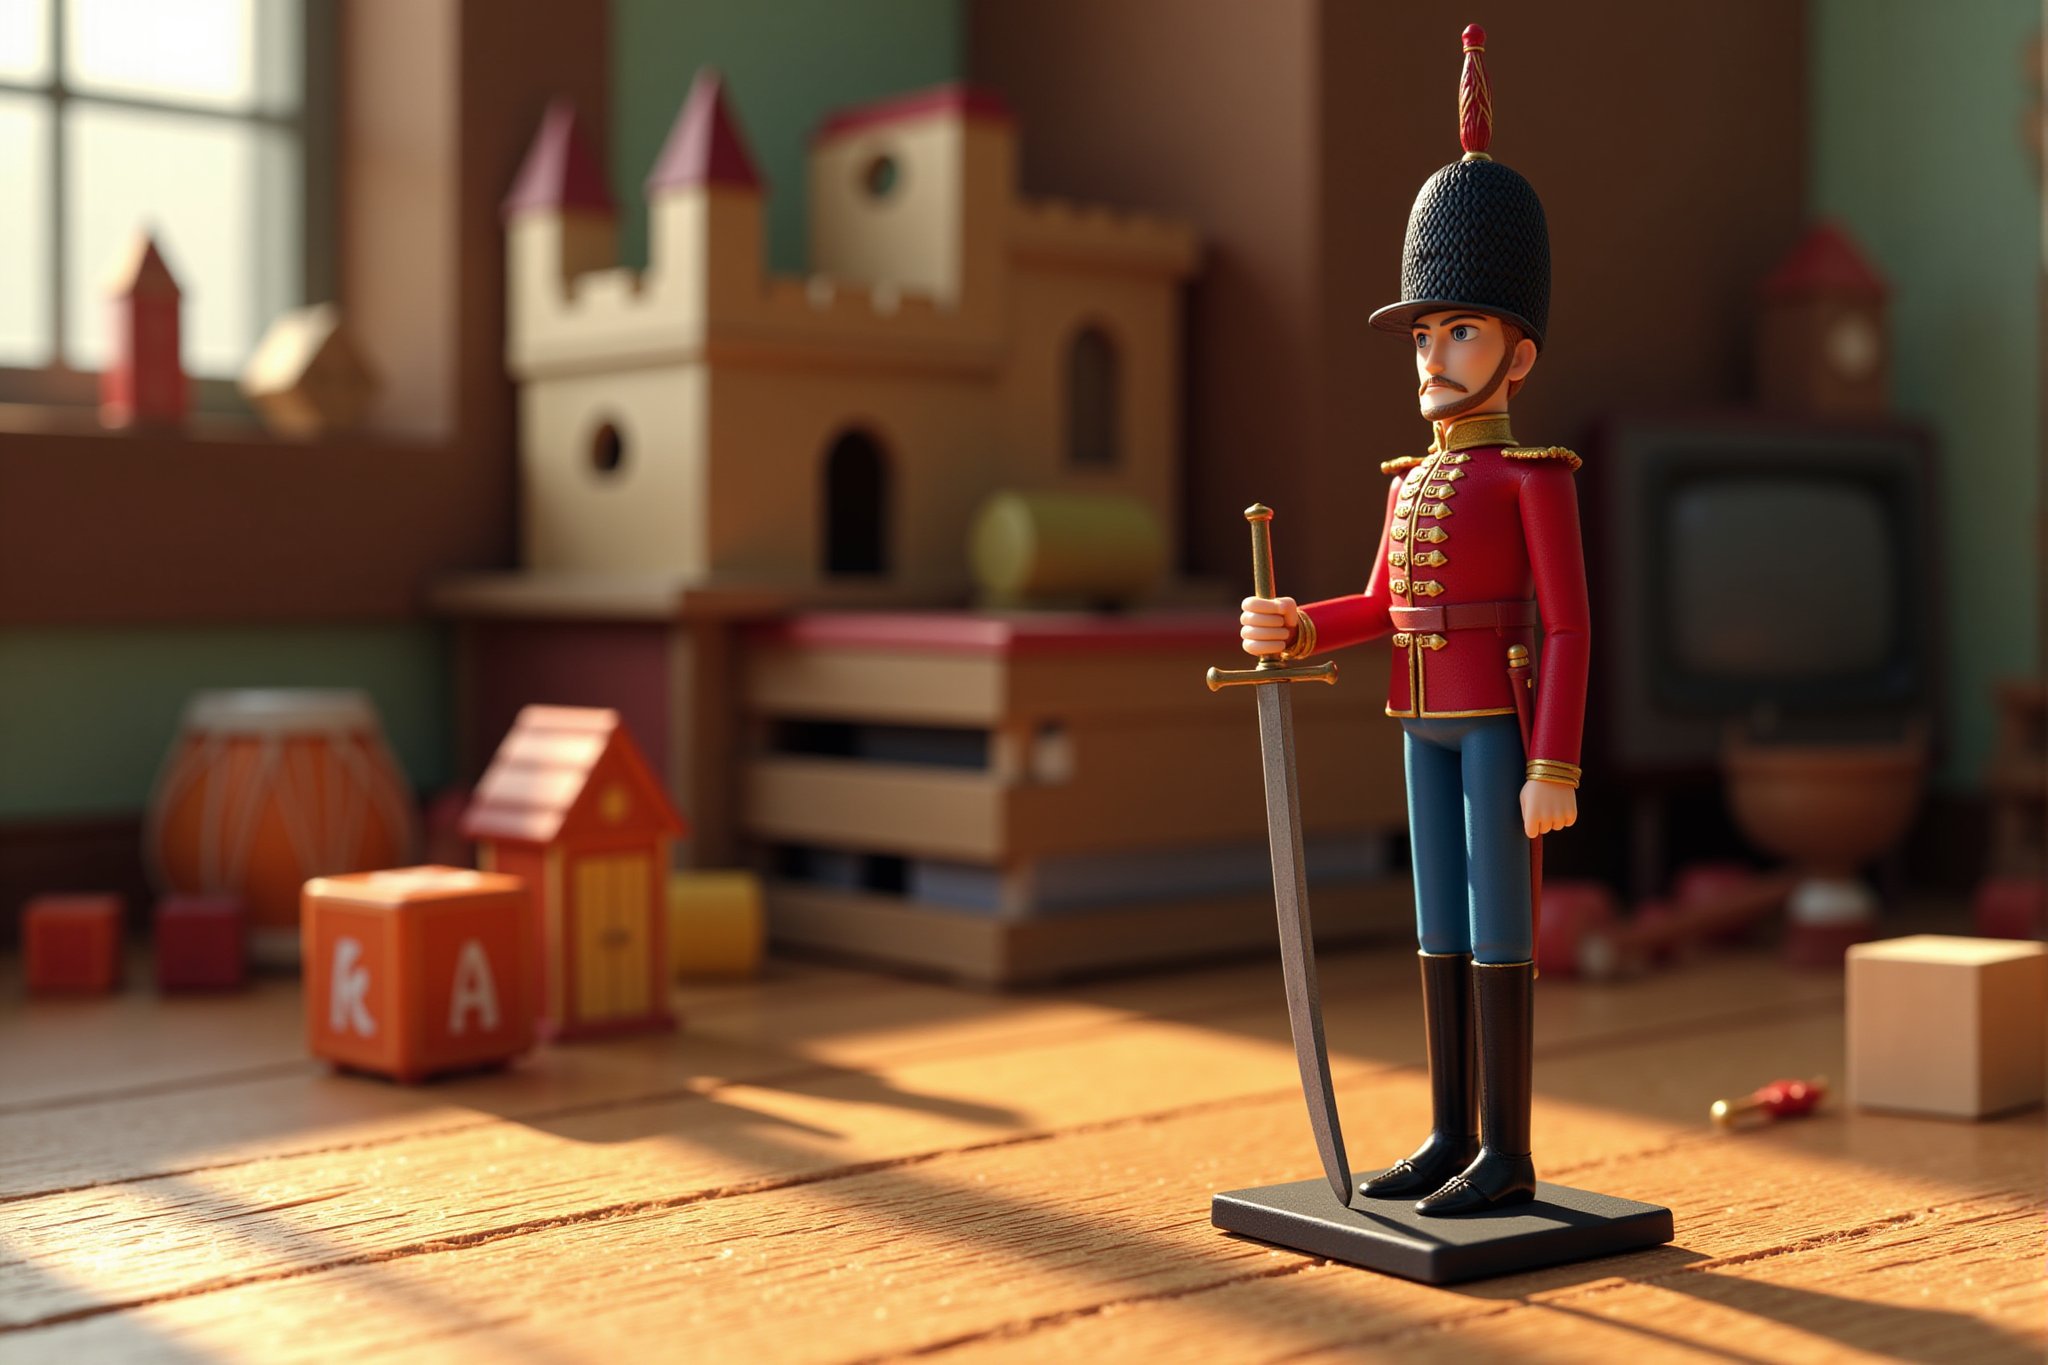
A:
x,y
417,971
200,943
73,944
1949,1026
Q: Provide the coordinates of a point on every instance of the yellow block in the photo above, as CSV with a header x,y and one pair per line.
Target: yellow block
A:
x,y
716,926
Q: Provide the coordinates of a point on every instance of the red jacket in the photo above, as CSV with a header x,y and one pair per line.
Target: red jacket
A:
x,y
1484,524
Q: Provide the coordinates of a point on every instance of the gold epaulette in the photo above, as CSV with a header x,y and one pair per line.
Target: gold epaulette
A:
x,y
1405,462
1541,453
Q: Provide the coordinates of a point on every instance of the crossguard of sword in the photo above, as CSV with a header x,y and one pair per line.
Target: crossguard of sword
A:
x,y
1268,670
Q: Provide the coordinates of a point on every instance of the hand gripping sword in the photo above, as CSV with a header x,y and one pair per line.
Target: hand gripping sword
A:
x,y
1290,881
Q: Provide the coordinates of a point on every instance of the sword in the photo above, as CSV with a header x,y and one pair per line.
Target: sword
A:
x,y
1290,881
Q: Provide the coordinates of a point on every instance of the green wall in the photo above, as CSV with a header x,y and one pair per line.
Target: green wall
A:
x,y
786,63
86,715
1916,145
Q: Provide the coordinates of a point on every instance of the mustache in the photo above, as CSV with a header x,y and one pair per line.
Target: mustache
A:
x,y
1443,381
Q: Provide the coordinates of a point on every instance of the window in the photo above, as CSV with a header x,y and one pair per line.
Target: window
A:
x,y
188,118
1092,400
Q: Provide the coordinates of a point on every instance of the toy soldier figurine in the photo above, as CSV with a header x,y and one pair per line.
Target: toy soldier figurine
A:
x,y
1480,543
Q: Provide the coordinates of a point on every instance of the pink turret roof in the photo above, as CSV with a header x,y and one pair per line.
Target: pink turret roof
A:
x,y
1826,258
966,101
706,146
559,172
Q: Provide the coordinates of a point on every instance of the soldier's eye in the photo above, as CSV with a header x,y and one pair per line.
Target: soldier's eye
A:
x,y
1464,331
1422,341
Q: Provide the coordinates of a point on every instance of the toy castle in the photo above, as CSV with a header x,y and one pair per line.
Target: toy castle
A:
x,y
707,421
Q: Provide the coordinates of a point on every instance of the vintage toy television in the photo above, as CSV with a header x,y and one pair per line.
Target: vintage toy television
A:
x,y
1777,574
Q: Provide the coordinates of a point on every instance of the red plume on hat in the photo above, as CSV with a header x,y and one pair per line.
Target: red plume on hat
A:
x,y
1475,96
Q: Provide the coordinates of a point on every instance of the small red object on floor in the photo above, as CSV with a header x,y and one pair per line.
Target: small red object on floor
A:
x,y
1778,1100
200,943
72,944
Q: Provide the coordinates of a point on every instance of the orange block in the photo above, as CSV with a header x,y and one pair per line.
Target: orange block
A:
x,y
417,971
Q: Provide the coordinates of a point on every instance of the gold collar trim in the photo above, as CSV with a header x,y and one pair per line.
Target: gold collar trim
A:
x,y
1488,429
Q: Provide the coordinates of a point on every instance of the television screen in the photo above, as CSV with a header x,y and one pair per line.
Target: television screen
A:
x,y
1789,578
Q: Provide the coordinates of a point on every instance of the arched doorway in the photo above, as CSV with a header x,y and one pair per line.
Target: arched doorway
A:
x,y
856,510
1094,397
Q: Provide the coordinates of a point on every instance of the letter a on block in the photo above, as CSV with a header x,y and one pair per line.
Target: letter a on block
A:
x,y
346,1010
475,989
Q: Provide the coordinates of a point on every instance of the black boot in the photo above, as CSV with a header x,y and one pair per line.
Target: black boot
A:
x,y
1503,1173
1453,1136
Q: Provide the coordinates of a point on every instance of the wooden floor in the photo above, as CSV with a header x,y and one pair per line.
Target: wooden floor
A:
x,y
830,1165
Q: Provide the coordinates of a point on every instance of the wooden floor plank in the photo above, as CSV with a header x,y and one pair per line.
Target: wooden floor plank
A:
x,y
1194,1149
1097,1240
130,1133
371,1192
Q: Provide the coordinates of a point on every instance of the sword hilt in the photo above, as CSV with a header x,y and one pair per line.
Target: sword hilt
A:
x,y
1268,669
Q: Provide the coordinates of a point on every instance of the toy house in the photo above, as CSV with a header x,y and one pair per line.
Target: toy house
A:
x,y
144,380
306,377
570,806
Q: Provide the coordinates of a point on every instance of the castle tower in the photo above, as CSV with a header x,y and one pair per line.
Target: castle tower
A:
x,y
917,192
559,223
704,206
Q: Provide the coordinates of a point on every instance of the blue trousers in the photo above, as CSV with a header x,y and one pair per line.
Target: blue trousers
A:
x,y
1465,831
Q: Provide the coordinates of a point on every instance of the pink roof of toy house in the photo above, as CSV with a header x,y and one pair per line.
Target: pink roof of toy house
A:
x,y
140,269
1827,260
542,782
705,146
559,171
956,98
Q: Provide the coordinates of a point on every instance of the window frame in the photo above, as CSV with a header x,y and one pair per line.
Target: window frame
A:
x,y
315,126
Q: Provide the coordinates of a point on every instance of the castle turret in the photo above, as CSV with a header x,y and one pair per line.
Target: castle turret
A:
x,y
704,206
559,222
917,193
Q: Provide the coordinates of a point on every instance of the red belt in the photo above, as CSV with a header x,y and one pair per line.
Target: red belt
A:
x,y
1495,616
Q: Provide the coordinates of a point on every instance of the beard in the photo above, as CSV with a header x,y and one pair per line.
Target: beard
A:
x,y
1457,402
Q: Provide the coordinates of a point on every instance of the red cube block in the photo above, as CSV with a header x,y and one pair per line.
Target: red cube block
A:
x,y
417,971
2010,907
200,943
72,943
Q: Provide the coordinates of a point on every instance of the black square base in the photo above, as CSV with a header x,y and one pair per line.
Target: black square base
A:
x,y
1562,1224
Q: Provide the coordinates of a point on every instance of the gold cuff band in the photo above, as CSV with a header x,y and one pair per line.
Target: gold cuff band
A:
x,y
1554,770
1304,642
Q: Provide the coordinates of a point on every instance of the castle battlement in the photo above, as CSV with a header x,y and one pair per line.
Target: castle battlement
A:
x,y
1060,230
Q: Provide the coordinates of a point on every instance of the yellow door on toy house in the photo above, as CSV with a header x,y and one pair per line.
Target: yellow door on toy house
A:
x,y
612,946
568,788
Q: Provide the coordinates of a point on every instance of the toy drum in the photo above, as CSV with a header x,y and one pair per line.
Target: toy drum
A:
x,y
265,789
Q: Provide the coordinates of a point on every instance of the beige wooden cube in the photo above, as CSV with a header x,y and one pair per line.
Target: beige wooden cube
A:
x,y
1950,1026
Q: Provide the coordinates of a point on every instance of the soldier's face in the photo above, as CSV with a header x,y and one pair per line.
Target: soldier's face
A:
x,y
1462,364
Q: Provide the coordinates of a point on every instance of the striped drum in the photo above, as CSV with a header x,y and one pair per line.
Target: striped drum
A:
x,y
265,789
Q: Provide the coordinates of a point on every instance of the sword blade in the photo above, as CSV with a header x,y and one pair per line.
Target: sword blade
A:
x,y
1297,938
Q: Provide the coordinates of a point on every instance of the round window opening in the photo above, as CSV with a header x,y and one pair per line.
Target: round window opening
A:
x,y
607,450
882,176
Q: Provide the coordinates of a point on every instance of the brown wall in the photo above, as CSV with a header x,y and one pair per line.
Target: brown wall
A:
x,y
1668,143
